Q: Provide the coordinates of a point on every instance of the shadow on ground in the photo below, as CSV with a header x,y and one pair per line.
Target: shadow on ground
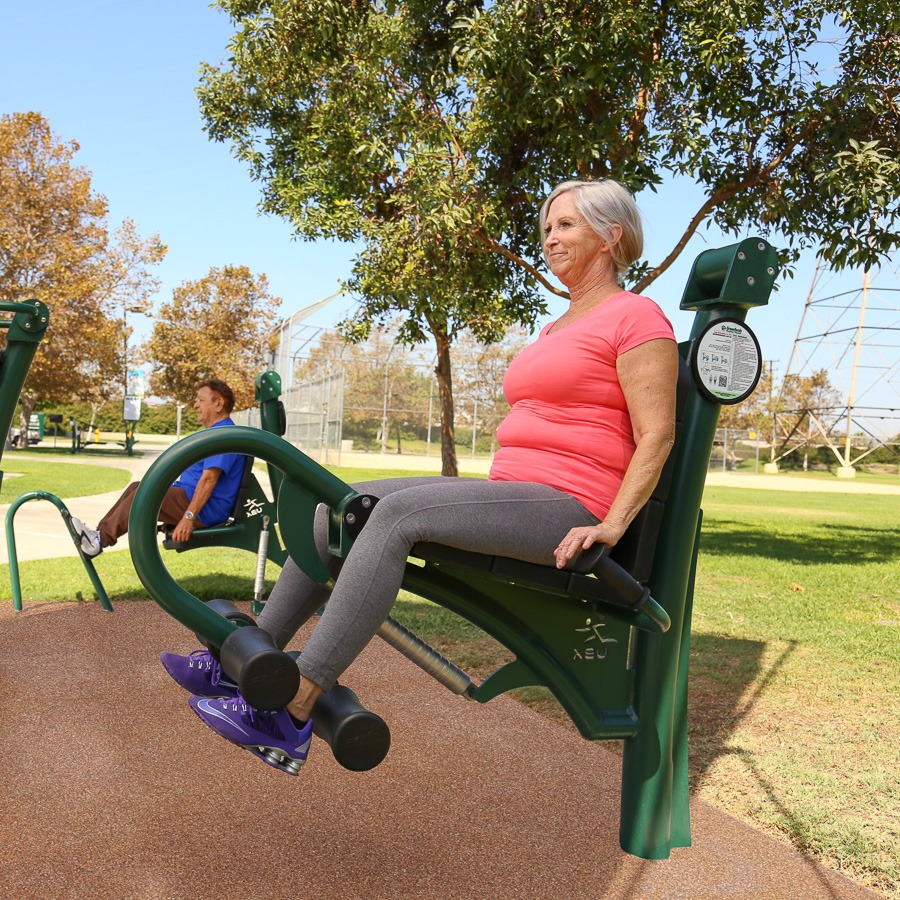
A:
x,y
843,543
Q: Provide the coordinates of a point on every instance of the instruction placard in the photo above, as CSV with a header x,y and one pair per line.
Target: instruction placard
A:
x,y
131,411
726,361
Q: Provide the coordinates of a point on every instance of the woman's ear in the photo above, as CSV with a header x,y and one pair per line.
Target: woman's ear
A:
x,y
615,234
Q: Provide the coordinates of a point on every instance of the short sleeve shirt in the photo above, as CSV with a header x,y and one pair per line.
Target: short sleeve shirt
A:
x,y
568,426
220,505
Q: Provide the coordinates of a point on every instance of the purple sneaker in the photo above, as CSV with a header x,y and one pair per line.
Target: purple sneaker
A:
x,y
272,736
200,674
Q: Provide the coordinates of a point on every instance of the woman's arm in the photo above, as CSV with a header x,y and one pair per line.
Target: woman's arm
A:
x,y
647,374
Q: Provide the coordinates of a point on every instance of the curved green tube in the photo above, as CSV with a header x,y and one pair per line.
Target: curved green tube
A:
x,y
310,485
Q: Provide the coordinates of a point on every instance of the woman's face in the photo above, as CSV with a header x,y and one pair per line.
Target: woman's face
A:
x,y
571,246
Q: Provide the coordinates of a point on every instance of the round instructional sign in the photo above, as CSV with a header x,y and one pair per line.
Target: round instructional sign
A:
x,y
726,361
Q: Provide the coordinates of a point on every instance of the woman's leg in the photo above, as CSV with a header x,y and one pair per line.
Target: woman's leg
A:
x,y
296,597
521,520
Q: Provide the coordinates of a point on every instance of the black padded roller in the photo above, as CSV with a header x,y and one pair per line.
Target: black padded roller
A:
x,y
359,739
267,678
227,609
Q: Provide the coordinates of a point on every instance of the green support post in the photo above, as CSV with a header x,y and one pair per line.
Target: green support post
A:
x,y
267,393
724,283
130,438
25,330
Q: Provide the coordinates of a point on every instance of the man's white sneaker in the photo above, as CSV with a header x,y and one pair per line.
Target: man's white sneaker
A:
x,y
91,544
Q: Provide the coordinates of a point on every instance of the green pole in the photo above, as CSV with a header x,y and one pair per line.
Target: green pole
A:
x,y
26,328
267,391
724,283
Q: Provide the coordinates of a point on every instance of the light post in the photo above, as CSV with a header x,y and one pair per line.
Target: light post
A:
x,y
131,403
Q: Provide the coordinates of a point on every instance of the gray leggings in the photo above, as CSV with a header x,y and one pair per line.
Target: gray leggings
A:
x,y
522,520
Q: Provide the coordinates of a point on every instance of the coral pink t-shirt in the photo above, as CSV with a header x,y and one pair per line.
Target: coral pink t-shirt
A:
x,y
569,426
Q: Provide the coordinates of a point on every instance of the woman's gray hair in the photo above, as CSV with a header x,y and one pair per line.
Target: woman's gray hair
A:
x,y
605,203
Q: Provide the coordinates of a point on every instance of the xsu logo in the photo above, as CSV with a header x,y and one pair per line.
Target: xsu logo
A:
x,y
252,508
593,646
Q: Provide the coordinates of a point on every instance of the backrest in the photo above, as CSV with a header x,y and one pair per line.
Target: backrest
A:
x,y
239,511
635,549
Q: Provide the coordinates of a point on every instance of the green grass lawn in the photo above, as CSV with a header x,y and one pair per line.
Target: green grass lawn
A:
x,y
207,573
795,679
28,473
796,672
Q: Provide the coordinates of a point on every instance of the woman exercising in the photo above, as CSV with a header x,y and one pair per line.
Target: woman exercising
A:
x,y
591,423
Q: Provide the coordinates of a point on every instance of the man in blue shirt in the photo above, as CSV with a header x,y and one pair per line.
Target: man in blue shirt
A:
x,y
203,495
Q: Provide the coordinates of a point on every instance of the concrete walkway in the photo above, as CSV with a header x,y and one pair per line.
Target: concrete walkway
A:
x,y
110,787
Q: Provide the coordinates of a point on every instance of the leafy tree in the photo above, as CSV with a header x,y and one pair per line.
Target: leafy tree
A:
x,y
130,286
55,247
427,131
217,327
802,401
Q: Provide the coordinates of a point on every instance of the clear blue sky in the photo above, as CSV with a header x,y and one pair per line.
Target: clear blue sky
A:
x,y
119,78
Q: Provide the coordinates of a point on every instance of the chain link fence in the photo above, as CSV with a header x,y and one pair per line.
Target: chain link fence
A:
x,y
314,413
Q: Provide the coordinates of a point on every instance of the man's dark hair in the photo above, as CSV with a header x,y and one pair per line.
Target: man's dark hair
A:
x,y
221,388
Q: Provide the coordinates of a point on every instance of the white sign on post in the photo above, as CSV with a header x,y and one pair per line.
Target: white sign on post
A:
x,y
132,409
136,383
726,361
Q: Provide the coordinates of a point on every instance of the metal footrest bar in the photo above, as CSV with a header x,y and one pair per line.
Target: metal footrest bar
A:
x,y
13,557
426,657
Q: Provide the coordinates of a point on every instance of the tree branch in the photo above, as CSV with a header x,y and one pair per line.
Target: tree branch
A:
x,y
725,192
642,101
496,247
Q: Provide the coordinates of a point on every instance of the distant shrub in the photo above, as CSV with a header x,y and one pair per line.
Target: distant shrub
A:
x,y
161,419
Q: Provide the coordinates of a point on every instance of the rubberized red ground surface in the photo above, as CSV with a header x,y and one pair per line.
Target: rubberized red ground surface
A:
x,y
111,787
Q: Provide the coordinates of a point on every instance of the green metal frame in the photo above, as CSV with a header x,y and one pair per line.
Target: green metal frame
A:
x,y
619,673
24,332
102,596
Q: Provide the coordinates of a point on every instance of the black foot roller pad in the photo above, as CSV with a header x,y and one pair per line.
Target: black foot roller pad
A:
x,y
359,738
267,678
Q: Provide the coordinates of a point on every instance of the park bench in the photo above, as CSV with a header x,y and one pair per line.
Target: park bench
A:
x,y
85,435
609,637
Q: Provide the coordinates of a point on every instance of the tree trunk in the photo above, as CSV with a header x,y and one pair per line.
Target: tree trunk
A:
x,y
445,393
28,405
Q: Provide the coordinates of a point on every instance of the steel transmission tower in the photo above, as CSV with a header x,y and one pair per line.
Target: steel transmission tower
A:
x,y
853,333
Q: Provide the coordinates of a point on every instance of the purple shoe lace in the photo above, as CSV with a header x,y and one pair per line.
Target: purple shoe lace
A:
x,y
203,657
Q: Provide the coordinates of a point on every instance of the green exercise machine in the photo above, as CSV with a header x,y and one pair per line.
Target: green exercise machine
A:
x,y
609,636
24,332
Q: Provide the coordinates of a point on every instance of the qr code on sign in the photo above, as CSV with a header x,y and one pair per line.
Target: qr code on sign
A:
x,y
723,381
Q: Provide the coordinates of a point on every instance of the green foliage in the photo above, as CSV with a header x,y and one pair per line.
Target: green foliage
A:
x,y
417,130
108,417
220,326
429,132
56,247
